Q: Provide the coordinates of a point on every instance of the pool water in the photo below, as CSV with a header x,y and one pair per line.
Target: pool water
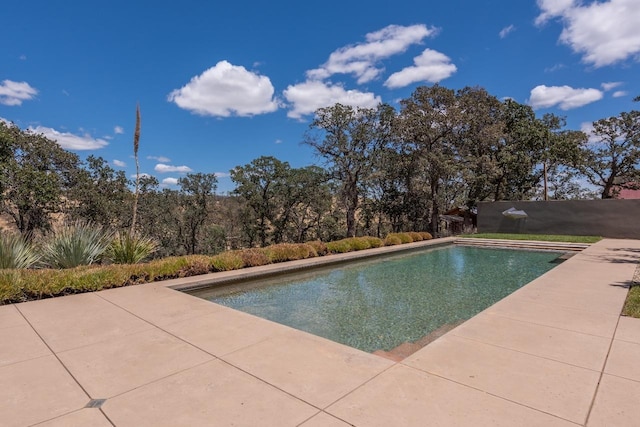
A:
x,y
381,303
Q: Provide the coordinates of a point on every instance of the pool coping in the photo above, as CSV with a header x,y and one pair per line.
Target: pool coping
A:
x,y
271,270
555,352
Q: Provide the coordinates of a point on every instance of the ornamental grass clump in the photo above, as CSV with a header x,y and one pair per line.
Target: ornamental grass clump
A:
x,y
403,237
426,235
289,252
319,246
415,236
254,257
374,242
17,252
339,246
130,248
227,261
73,245
392,240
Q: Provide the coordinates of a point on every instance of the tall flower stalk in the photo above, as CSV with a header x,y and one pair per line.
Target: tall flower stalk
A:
x,y
136,144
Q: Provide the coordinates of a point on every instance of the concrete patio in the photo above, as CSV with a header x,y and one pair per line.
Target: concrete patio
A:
x,y
554,353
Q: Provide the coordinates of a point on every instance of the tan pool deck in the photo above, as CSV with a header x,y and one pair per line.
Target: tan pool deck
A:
x,y
554,353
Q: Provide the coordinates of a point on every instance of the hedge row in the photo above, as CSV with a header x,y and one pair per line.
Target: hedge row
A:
x,y
28,284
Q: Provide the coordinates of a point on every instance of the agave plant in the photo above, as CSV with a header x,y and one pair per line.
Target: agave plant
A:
x,y
130,248
16,252
79,243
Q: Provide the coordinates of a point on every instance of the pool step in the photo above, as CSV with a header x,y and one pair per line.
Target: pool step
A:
x,y
523,244
407,348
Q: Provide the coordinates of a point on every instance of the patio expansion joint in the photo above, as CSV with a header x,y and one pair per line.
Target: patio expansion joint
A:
x,y
595,392
492,394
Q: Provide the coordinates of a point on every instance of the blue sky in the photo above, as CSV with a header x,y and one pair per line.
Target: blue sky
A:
x,y
220,84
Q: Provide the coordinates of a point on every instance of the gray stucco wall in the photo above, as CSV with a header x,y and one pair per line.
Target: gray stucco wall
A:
x,y
606,218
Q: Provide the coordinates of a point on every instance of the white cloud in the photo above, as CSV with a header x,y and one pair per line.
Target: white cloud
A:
x,y
14,93
70,141
619,93
161,159
162,168
278,141
222,174
552,9
430,66
565,97
118,130
603,32
506,31
610,85
554,68
225,90
23,57
119,163
307,97
169,181
362,59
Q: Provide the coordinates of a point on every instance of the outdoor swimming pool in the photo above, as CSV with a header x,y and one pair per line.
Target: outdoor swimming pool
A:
x,y
383,302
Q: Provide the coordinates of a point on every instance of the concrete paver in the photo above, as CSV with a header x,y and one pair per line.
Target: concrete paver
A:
x,y
628,330
547,385
316,370
78,320
161,306
37,390
10,316
224,331
624,360
212,394
586,322
574,348
602,301
616,404
20,343
118,365
403,396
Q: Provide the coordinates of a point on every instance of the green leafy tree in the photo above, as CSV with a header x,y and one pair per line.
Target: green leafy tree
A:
x,y
260,184
35,175
349,139
197,190
613,159
100,195
427,126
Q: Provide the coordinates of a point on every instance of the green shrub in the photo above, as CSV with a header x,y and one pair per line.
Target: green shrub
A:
x,y
392,239
426,235
319,247
16,252
253,257
130,248
415,236
226,261
76,244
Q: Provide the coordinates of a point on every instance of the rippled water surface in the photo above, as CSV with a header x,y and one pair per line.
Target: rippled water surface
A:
x,y
381,303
